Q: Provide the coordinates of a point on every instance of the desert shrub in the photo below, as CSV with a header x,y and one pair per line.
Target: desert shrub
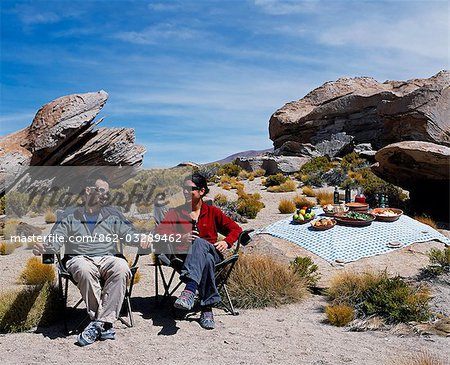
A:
x,y
249,205
339,315
31,307
308,191
394,299
17,203
230,169
259,172
288,185
273,180
259,281
353,161
301,201
251,177
305,268
334,177
50,217
324,197
316,164
244,175
220,199
422,357
376,294
313,179
35,272
286,206
7,248
10,228
426,220
439,261
209,171
2,205
144,225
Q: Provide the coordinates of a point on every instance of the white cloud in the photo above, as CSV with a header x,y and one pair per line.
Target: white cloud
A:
x,y
164,7
32,18
287,7
158,33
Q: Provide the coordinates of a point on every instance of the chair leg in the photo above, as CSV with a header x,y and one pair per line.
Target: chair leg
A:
x,y
230,306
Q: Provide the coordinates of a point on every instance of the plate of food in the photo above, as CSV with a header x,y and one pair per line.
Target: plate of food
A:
x,y
323,224
358,207
331,209
353,218
387,214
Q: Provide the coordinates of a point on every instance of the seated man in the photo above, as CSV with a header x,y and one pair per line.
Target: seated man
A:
x,y
90,234
199,225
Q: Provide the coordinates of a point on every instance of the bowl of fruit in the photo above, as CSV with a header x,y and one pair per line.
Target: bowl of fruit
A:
x,y
387,214
303,216
323,224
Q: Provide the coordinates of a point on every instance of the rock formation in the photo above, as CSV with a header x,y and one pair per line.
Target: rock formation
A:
x,y
63,133
371,112
423,168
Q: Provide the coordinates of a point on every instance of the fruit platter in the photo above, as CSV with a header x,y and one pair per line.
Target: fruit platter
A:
x,y
303,215
387,214
323,224
331,209
353,218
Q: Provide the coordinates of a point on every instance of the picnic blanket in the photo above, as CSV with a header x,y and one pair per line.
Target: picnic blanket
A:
x,y
346,244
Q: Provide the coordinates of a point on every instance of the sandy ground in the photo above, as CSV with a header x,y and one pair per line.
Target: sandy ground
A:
x,y
289,334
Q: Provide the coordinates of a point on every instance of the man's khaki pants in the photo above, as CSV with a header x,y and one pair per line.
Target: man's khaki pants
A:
x,y
103,304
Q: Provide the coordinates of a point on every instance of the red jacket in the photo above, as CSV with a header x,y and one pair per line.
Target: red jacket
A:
x,y
211,221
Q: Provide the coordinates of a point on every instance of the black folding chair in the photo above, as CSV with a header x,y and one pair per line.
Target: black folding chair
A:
x,y
64,277
223,270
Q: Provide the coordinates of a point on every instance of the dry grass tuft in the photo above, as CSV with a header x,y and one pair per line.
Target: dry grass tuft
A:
x,y
308,191
259,281
33,306
422,357
7,248
220,199
301,201
49,217
36,272
323,197
426,220
286,206
339,315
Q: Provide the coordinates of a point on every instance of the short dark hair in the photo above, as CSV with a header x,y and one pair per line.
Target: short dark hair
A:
x,y
199,180
93,177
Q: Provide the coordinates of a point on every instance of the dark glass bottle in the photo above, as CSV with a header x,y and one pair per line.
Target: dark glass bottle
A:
x,y
377,200
195,227
347,195
382,203
336,196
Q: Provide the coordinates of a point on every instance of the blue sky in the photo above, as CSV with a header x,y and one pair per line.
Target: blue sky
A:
x,y
198,80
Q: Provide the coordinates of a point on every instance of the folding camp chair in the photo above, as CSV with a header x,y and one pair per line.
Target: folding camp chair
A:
x,y
64,277
223,270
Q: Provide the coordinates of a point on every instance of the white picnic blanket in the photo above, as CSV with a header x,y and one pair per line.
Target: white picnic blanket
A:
x,y
346,244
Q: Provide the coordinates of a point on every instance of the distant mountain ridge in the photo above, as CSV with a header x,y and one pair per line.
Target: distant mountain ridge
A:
x,y
249,153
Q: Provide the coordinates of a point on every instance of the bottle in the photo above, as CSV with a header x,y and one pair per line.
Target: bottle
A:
x,y
195,231
382,201
377,200
360,197
336,196
386,201
347,195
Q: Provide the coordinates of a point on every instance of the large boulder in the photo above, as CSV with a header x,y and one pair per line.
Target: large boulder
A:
x,y
272,164
423,168
63,133
372,112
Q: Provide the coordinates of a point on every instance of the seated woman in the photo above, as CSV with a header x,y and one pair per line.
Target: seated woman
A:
x,y
199,225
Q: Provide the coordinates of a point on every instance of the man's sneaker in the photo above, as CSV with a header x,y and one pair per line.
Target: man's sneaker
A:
x,y
108,334
90,334
207,320
185,300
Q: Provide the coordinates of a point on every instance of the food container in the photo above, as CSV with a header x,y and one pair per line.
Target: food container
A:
x,y
387,214
358,207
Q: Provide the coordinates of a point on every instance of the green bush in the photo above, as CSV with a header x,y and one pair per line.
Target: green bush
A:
x,y
274,180
305,268
439,261
316,164
394,299
17,203
230,169
249,205
353,161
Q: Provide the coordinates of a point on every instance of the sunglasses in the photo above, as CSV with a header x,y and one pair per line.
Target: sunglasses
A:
x,y
188,188
99,190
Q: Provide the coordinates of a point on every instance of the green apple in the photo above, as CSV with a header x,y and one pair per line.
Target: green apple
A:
x,y
295,217
307,215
